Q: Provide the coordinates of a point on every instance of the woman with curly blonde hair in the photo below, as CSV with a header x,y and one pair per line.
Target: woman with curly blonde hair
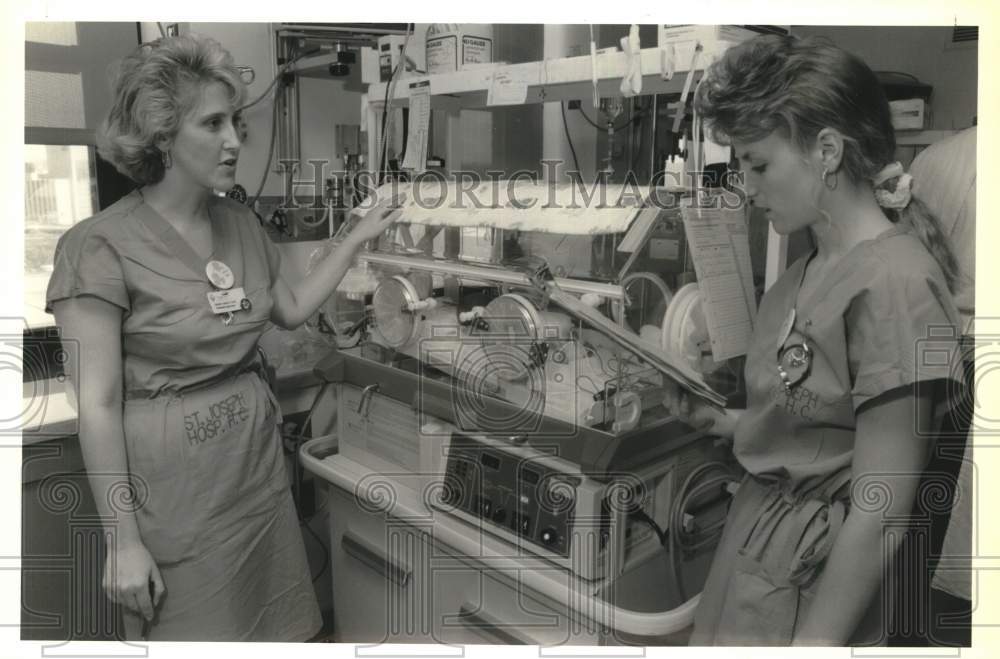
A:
x,y
165,294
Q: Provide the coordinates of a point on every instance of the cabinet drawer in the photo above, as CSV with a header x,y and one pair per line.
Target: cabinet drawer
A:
x,y
393,584
377,576
503,610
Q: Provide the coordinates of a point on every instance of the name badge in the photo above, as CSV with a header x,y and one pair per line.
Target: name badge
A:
x,y
226,301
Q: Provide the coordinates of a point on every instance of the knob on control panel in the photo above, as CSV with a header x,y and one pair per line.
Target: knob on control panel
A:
x,y
549,536
502,492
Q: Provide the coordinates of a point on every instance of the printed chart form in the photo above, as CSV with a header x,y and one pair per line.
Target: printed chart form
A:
x,y
720,247
419,126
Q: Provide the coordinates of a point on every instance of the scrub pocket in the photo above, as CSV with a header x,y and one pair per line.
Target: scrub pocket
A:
x,y
150,426
273,407
161,476
759,608
773,568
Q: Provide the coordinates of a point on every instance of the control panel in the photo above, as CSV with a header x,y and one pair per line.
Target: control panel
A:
x,y
520,495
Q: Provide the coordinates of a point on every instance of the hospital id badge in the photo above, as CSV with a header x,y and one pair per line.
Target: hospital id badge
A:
x,y
226,301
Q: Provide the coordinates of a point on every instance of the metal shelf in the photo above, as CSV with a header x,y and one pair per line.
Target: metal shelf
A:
x,y
560,79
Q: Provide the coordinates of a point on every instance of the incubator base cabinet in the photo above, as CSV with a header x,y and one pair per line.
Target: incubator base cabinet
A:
x,y
400,578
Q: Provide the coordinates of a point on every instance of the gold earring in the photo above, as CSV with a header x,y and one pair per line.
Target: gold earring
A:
x,y
166,159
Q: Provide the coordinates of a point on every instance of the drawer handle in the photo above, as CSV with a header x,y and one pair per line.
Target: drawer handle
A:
x,y
474,617
375,558
366,398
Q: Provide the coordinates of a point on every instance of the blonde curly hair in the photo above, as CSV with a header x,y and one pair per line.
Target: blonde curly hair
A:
x,y
154,89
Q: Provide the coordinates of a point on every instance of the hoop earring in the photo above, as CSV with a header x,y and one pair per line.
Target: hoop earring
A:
x,y
824,178
165,158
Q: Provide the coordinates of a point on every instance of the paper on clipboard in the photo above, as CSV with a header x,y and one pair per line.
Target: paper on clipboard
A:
x,y
418,126
720,247
508,89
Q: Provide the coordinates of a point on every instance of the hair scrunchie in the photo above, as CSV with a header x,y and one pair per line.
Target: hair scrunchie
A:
x,y
899,197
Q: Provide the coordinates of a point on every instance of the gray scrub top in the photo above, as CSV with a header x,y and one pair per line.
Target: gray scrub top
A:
x,y
883,319
130,256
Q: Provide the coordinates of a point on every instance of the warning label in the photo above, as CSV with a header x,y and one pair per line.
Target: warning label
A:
x,y
476,50
442,54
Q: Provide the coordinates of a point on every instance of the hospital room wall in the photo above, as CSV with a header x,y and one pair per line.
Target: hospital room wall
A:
x,y
925,52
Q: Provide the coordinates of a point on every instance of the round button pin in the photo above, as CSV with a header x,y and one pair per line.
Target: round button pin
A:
x,y
219,274
245,304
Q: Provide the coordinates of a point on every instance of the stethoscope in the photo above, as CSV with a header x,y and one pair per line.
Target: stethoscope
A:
x,y
794,361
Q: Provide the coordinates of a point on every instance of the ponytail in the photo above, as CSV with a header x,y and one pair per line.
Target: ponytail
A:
x,y
893,193
918,220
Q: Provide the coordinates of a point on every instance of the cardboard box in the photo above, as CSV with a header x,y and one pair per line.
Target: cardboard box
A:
x,y
681,40
680,34
715,39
